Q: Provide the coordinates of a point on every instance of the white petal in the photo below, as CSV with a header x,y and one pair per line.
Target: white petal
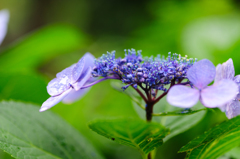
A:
x,y
218,76
75,95
78,69
237,80
183,96
4,18
58,85
201,73
232,109
83,79
219,94
67,72
89,61
50,102
228,71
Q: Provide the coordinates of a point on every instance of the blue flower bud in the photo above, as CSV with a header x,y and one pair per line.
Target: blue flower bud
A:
x,y
139,69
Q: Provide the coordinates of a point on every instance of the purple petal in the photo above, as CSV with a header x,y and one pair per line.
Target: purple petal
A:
x,y
183,96
75,95
67,72
50,102
77,70
222,108
219,94
4,18
201,73
83,79
237,80
58,85
218,76
228,71
89,61
232,109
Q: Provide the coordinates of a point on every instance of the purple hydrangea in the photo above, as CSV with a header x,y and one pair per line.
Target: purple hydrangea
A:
x,y
67,86
200,75
149,73
226,71
133,70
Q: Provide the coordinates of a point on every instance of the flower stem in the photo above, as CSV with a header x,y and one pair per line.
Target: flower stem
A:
x,y
149,111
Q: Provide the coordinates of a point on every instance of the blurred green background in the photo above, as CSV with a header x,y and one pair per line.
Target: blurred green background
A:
x,y
46,36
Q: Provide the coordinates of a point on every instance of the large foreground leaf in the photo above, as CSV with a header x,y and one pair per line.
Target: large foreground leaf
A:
x,y
215,142
40,45
26,133
131,132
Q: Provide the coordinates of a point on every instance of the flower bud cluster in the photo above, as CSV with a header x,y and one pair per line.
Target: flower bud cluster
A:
x,y
154,73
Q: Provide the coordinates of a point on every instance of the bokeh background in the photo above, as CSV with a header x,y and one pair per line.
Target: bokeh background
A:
x,y
46,36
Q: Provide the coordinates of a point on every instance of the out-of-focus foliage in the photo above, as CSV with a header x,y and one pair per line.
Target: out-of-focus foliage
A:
x,y
202,29
23,87
29,52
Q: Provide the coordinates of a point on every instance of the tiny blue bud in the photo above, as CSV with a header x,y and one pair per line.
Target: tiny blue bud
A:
x,y
129,64
135,86
139,74
139,69
129,76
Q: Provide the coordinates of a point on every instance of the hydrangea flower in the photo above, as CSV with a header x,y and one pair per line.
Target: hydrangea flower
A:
x,y
4,18
67,86
226,71
200,75
134,70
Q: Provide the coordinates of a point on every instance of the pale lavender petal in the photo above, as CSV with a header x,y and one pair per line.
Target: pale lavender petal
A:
x,y
201,73
75,95
91,80
83,79
219,94
78,69
232,109
223,108
67,72
237,80
50,102
183,96
58,85
89,61
218,76
4,18
228,71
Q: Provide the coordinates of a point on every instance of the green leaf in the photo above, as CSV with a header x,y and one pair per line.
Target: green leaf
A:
x,y
181,112
23,87
131,132
27,53
27,133
174,118
215,142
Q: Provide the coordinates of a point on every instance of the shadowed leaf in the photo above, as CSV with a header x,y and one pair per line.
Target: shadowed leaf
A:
x,y
27,133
